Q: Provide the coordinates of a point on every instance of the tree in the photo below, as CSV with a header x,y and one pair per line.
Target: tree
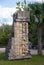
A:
x,y
4,36
38,13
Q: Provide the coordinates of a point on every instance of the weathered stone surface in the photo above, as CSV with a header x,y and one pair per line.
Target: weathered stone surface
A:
x,y
18,45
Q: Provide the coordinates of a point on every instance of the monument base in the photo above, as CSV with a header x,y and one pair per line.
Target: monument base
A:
x,y
19,57
9,52
10,55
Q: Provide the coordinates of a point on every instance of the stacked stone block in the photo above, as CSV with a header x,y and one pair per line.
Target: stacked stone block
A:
x,y
19,43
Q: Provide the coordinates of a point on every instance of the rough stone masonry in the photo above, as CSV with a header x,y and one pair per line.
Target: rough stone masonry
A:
x,y
17,47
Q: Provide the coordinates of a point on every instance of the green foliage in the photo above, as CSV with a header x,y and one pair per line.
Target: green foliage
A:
x,y
22,6
43,33
33,32
4,35
3,39
25,2
35,9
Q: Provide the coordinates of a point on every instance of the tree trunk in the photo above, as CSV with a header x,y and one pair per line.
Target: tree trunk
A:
x,y
39,40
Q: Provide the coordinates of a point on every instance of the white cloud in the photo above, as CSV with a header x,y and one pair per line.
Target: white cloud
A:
x,y
40,1
5,14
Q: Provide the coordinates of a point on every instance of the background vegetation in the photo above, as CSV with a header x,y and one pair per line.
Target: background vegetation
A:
x,y
36,9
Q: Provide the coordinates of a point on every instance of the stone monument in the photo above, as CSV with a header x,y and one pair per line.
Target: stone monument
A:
x,y
18,44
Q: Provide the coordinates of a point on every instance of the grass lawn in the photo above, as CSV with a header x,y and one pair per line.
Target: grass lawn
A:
x,y
36,60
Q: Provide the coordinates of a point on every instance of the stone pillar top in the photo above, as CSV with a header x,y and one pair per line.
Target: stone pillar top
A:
x,y
21,16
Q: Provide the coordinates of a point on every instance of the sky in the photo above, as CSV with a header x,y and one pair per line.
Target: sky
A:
x,y
7,8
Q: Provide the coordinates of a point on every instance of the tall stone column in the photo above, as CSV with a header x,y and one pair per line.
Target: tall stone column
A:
x,y
19,43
